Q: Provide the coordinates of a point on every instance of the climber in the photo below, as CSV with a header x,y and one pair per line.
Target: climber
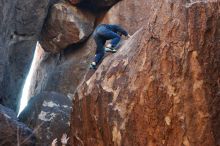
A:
x,y
102,33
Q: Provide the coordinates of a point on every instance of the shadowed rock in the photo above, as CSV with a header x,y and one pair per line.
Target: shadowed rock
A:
x,y
96,3
20,26
49,114
62,72
13,132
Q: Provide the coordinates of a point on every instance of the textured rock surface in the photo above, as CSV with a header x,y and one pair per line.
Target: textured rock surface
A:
x,y
161,88
97,3
20,25
62,73
66,25
49,114
131,14
13,132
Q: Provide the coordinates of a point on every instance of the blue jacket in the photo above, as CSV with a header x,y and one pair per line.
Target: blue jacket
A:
x,y
115,28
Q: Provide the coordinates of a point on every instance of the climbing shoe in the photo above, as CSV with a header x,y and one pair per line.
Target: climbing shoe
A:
x,y
92,65
112,50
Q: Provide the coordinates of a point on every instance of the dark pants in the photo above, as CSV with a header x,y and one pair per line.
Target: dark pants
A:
x,y
102,34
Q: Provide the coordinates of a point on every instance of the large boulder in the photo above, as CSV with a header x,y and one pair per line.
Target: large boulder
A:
x,y
13,132
20,25
161,87
66,25
49,114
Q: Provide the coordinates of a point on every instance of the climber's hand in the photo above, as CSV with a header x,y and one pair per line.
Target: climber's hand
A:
x,y
54,142
64,139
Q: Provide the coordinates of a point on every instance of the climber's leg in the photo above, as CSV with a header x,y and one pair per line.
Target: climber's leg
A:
x,y
110,35
100,51
115,41
107,34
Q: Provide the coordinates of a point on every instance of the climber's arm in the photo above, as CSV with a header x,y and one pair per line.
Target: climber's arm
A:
x,y
120,29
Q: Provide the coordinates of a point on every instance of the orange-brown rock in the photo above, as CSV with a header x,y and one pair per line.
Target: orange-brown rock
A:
x,y
130,14
66,25
161,88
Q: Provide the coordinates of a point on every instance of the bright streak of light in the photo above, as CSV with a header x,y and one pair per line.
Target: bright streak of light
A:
x,y
28,81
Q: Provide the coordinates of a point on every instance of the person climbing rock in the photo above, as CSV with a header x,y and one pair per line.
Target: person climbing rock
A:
x,y
102,33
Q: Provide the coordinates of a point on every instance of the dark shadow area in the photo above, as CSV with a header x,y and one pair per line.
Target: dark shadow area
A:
x,y
91,7
73,48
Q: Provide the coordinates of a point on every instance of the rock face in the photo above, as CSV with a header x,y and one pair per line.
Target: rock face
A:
x,y
97,3
130,14
66,25
161,88
49,114
20,25
13,132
